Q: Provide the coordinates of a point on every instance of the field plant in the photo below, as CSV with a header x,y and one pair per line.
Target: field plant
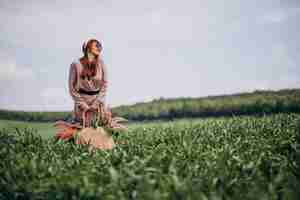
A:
x,y
217,158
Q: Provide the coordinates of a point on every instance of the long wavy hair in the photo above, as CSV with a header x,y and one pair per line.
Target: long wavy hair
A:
x,y
89,68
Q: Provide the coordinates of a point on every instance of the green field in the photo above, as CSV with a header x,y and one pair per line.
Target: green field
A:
x,y
243,157
46,130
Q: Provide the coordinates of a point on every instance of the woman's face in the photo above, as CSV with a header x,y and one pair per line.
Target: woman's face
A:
x,y
94,49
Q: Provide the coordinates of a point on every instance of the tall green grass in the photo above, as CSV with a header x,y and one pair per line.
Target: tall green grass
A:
x,y
223,158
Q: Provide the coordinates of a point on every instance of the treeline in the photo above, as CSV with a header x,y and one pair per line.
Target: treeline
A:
x,y
34,116
257,102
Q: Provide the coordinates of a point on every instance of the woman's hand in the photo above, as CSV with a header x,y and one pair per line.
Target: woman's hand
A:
x,y
94,106
84,106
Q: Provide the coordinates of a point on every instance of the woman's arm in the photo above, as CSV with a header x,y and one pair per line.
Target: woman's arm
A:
x,y
72,82
103,84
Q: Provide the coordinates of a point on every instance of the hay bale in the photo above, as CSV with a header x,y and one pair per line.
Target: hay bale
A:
x,y
96,138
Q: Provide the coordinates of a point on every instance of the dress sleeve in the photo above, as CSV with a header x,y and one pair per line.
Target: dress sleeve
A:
x,y
72,82
103,87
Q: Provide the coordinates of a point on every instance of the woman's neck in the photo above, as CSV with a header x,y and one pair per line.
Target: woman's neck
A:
x,y
91,57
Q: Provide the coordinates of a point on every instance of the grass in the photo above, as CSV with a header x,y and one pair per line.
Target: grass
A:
x,y
215,158
46,130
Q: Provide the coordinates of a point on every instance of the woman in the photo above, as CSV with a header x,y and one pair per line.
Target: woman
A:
x,y
87,86
88,83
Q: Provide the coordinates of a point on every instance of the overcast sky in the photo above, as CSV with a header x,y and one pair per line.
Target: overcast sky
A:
x,y
152,49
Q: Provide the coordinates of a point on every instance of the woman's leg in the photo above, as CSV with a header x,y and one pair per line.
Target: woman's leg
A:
x,y
89,118
103,115
79,114
100,112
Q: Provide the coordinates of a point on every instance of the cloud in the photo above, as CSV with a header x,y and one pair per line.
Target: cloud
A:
x,y
278,16
280,72
152,49
18,83
56,99
287,73
281,57
9,70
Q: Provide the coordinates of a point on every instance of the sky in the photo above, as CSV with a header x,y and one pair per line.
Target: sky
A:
x,y
152,49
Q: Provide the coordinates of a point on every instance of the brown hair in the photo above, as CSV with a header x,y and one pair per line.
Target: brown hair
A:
x,y
89,69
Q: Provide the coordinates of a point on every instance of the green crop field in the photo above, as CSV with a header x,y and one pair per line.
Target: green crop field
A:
x,y
244,157
46,130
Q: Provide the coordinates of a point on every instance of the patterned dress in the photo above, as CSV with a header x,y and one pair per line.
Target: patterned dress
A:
x,y
88,105
82,101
